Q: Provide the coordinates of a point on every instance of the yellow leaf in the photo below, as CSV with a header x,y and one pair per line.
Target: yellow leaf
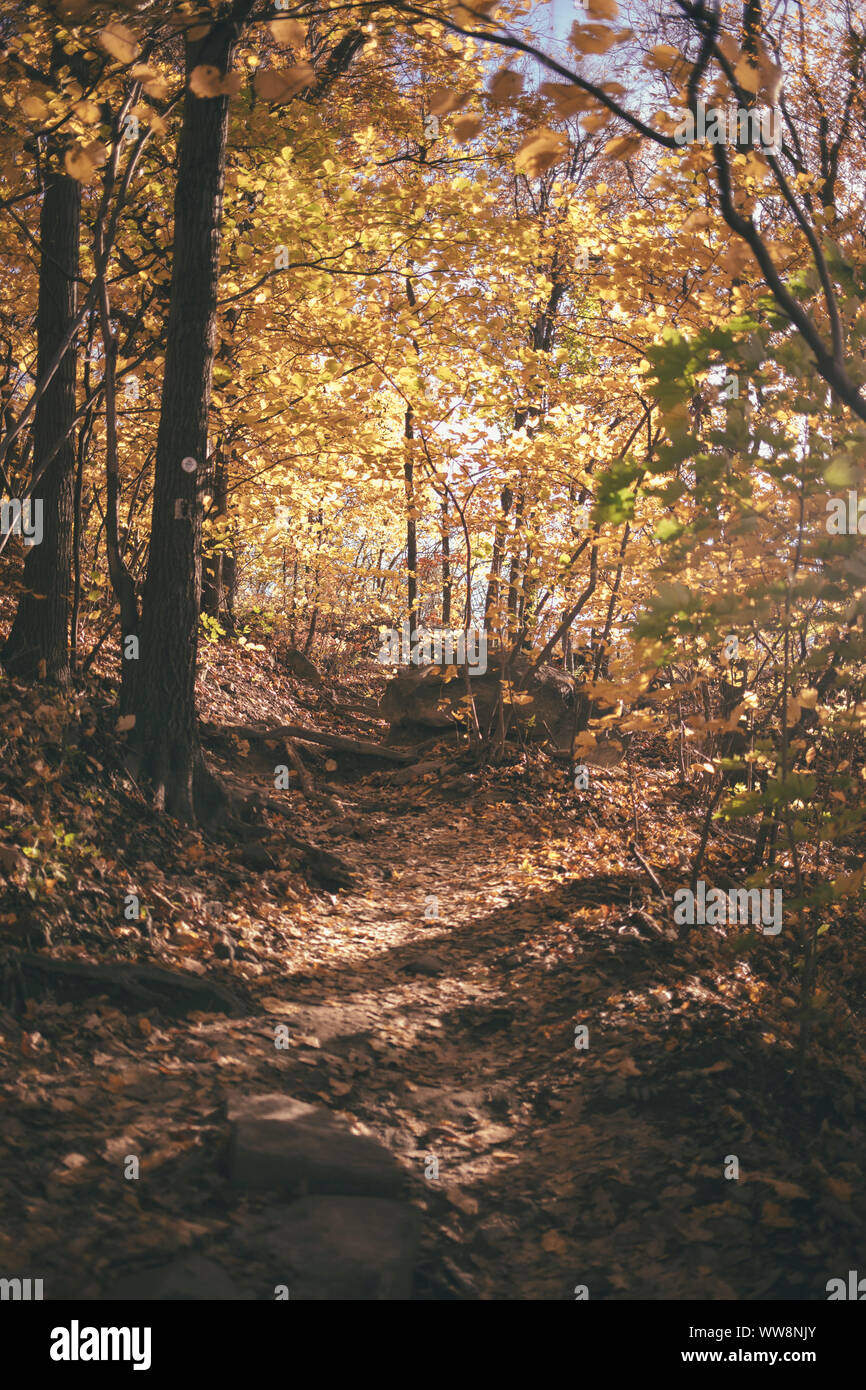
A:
x,y
88,112
592,38
747,74
623,147
152,81
771,80
34,107
119,42
597,120
205,80
567,98
289,31
540,150
78,165
96,152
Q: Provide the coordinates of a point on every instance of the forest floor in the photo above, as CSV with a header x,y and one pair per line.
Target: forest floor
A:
x,y
433,1005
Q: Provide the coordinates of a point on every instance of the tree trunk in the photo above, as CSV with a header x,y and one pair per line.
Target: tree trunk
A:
x,y
447,584
166,731
491,602
515,574
38,642
411,531
213,576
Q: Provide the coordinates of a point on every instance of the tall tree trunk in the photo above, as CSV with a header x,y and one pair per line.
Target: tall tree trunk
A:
x,y
293,611
491,602
411,531
447,584
38,646
166,729
515,574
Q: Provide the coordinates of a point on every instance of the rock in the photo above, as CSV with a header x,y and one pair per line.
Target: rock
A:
x,y
424,965
418,699
284,1144
192,1279
336,1248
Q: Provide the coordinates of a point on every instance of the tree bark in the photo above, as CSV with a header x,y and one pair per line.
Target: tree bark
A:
x,y
166,737
38,646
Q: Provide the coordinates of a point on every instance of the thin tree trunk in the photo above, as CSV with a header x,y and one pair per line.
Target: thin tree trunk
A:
x,y
38,646
447,585
411,532
515,572
491,602
214,563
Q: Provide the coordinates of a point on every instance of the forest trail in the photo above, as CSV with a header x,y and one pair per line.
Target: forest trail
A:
x,y
434,1007
557,1167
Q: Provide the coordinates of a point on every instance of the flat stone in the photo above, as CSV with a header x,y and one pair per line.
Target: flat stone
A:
x,y
335,1248
192,1279
284,1144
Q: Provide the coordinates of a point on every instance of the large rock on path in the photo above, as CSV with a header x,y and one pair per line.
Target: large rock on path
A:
x,y
282,1144
335,1248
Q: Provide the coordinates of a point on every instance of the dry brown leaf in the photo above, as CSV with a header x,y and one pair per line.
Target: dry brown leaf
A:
x,y
505,85
282,84
466,128
443,101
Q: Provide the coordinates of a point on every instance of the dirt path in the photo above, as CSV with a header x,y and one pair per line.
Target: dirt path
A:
x,y
450,1037
557,1166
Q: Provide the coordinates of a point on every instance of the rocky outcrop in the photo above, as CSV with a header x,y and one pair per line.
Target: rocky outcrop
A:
x,y
419,699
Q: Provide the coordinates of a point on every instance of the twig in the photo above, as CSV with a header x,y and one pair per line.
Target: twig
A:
x,y
633,849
